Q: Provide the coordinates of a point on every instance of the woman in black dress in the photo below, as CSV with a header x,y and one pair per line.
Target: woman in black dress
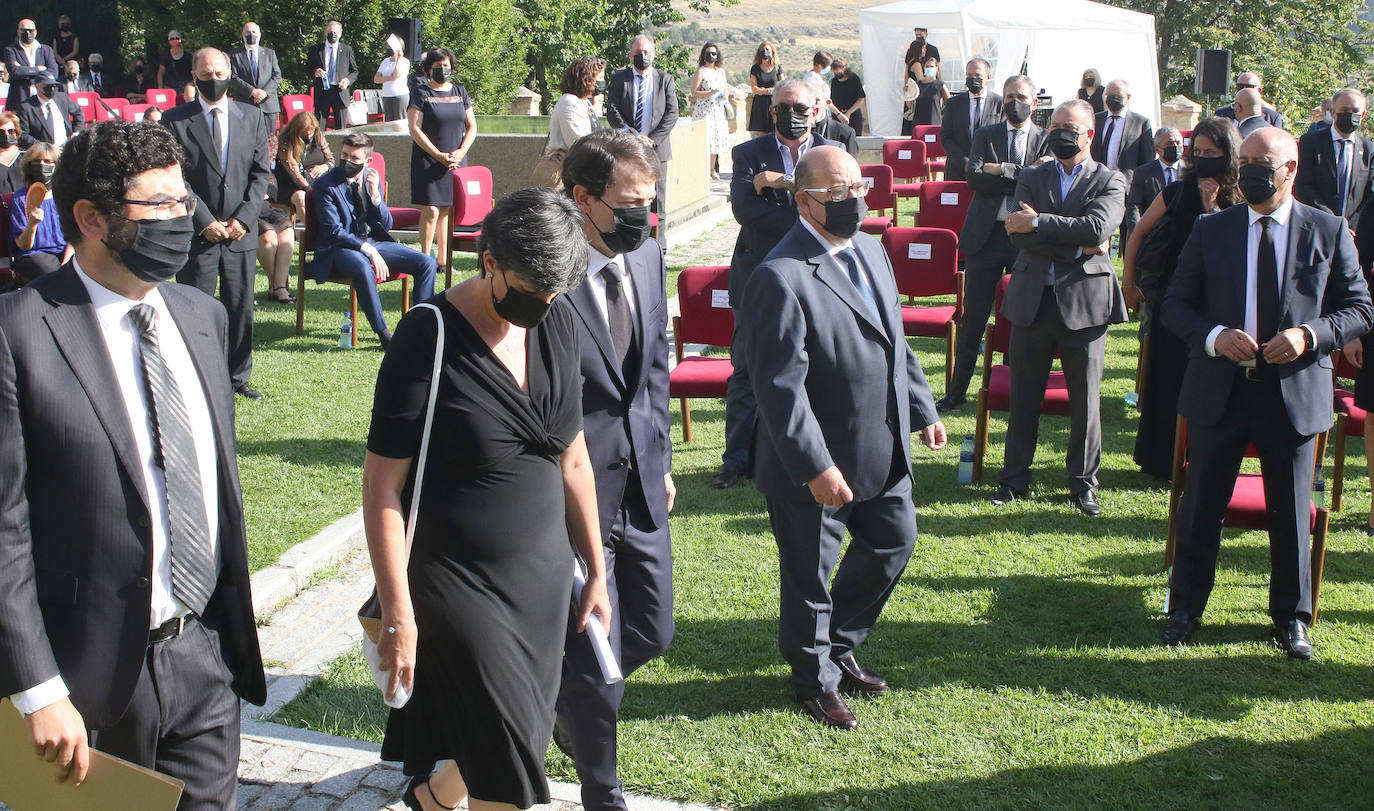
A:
x,y
302,156
847,93
443,126
1091,90
1207,185
929,105
765,73
66,45
476,621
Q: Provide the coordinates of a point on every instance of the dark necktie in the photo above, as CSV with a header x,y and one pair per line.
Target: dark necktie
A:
x,y
850,260
329,72
618,314
1266,285
641,96
359,211
975,114
95,81
218,134
253,64
1018,157
1342,174
193,556
1107,141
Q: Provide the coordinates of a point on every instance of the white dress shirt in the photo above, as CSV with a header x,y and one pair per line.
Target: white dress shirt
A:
x,y
57,120
331,64
1278,231
789,166
1116,121
596,260
1013,135
223,107
647,79
1066,181
121,341
1170,170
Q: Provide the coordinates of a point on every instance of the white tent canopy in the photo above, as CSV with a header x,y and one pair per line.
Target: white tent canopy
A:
x,y
1059,38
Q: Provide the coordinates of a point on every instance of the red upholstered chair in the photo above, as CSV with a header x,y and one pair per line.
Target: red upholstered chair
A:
x,y
1349,423
135,112
401,217
995,393
6,272
944,204
705,318
118,108
163,98
880,198
91,110
929,134
1187,142
925,263
292,104
472,202
306,244
908,162
1246,510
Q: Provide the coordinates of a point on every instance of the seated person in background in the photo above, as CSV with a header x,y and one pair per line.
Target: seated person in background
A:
x,y
354,236
137,82
152,114
99,81
276,244
36,240
10,178
302,156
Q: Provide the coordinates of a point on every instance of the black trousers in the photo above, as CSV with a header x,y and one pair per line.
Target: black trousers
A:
x,y
1255,413
741,409
639,577
32,265
820,621
183,720
982,271
233,272
331,101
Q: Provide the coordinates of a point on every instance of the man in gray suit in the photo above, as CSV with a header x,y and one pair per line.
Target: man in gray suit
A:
x,y
996,158
1062,295
1249,110
839,393
256,75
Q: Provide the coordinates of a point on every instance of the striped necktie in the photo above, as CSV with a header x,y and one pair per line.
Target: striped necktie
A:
x,y
641,96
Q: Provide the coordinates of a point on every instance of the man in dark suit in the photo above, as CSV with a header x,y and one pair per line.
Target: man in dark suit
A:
x,y
622,319
333,71
839,394
256,75
1334,169
1151,178
26,59
353,236
1260,372
1062,296
761,196
49,116
1124,139
644,99
126,623
1250,80
226,151
827,125
964,114
97,79
73,80
998,154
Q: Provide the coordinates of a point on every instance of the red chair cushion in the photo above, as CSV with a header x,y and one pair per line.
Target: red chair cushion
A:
x,y
927,322
999,392
1345,404
1246,509
405,217
698,376
876,225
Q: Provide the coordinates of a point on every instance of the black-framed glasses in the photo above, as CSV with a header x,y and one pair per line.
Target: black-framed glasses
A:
x,y
167,207
798,108
859,188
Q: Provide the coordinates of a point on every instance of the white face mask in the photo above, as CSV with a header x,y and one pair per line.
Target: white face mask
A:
x,y
930,72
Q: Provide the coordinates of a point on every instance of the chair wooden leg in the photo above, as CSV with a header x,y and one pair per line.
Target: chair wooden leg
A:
x,y
448,262
300,294
1319,556
980,435
686,419
1338,466
405,294
353,312
949,353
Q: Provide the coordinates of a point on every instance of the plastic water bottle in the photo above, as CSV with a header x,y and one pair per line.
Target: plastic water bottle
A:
x,y
1132,399
966,460
346,332
1319,487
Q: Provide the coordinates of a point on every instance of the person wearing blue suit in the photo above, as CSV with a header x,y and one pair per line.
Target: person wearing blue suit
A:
x,y
621,315
354,238
839,394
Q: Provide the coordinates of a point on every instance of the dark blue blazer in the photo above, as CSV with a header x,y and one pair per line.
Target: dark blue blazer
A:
x,y
335,216
1322,287
625,416
834,385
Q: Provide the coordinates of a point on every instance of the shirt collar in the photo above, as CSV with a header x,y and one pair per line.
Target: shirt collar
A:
x,y
1077,170
830,247
1336,136
223,105
1280,214
596,260
110,307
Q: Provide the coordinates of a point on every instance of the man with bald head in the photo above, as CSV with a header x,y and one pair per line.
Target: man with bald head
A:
x,y
1249,111
226,167
1262,294
1336,169
27,59
1250,80
256,75
839,393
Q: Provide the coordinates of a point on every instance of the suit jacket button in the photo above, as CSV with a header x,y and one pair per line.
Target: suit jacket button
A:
x,y
891,420
142,582
622,462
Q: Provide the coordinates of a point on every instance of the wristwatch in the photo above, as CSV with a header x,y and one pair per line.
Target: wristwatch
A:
x,y
788,182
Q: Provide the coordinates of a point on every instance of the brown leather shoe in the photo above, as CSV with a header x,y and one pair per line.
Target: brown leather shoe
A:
x,y
829,708
855,679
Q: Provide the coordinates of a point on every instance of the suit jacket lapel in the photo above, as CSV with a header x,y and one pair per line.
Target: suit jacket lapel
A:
x,y
1080,184
639,276
200,131
1299,232
833,275
585,304
884,284
208,356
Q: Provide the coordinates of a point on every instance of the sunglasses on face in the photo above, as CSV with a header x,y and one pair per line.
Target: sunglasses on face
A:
x,y
798,108
175,39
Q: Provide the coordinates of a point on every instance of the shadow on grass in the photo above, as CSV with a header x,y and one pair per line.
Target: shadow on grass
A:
x,y
1252,558
307,452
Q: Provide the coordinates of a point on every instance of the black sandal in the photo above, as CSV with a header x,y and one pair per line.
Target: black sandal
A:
x,y
288,299
413,802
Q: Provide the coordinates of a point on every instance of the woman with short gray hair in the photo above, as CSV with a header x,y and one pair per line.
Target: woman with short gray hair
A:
x,y
476,618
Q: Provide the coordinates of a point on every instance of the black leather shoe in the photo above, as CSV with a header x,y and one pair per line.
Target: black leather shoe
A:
x,y
248,392
949,402
384,338
855,679
1087,503
728,476
1178,629
829,709
1006,495
1291,636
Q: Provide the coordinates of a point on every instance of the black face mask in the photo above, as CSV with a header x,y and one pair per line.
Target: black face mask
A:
x,y
974,84
1116,102
1063,143
843,218
96,65
518,307
439,75
712,57
643,61
1017,111
332,37
918,41
72,75
351,169
631,228
600,89
1348,122
156,249
1209,166
1172,153
138,69
250,39
27,37
1089,82
791,125
212,90
45,171
64,27
47,90
1257,183
8,139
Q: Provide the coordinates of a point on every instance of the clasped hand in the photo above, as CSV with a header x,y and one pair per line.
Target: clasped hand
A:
x,y
1239,346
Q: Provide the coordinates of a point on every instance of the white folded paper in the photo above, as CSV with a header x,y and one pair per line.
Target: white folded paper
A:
x,y
596,632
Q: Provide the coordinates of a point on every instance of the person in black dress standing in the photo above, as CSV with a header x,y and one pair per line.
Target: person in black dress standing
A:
x,y
443,126
847,93
66,45
1091,91
476,620
1206,186
929,105
765,73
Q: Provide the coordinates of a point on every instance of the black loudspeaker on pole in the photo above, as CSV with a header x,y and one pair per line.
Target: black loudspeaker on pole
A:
x,y
409,30
1213,72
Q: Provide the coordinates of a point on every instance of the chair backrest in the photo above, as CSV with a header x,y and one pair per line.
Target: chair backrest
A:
x,y
907,159
163,98
378,162
295,103
119,106
879,197
1001,327
929,134
135,112
944,204
703,297
90,108
924,260
472,195
1345,368
311,227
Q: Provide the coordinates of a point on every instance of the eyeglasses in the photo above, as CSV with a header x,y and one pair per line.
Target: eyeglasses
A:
x,y
1245,86
174,39
798,108
167,208
859,188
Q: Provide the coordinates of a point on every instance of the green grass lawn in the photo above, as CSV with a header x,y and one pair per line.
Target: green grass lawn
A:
x,y
1021,644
